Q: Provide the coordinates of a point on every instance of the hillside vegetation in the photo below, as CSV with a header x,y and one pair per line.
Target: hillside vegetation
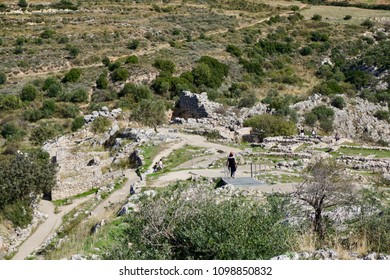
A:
x,y
64,60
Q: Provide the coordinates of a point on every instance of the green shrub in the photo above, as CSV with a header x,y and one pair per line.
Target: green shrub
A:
x,y
73,51
100,125
120,74
48,33
63,40
72,76
311,119
77,123
19,213
136,92
317,36
69,111
20,41
382,115
347,17
338,102
65,5
323,112
165,65
316,17
12,131
54,90
3,78
106,61
33,115
234,50
247,101
29,93
269,125
115,65
79,95
102,82
49,107
132,59
209,72
368,23
10,102
201,229
134,44
306,51
22,3
18,50
44,132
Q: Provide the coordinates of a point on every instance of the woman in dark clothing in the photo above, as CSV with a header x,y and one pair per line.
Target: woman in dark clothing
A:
x,y
231,164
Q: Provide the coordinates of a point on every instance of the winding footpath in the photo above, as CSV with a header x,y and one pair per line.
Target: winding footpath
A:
x,y
118,197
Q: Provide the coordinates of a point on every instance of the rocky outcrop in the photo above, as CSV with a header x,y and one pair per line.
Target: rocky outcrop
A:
x,y
355,121
197,106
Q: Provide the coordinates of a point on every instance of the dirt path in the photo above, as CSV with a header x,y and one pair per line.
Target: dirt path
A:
x,y
47,228
117,198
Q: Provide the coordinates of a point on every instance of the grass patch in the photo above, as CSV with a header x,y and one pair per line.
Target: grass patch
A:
x,y
361,152
180,156
69,200
149,152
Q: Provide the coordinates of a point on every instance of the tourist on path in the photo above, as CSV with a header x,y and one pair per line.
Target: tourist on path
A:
x,y
231,163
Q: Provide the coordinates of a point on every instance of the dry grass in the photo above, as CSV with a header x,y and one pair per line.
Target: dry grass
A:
x,y
337,14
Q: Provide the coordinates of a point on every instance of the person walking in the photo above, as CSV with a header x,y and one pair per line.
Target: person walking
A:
x,y
231,163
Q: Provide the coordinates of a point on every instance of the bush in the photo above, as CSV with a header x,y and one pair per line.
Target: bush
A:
x,y
164,65
134,44
10,102
22,3
209,72
132,59
317,36
316,17
311,119
79,95
54,90
77,123
368,23
48,33
44,132
102,82
33,115
100,125
3,78
106,61
202,229
74,51
382,115
22,178
306,51
248,100
69,111
234,50
115,65
347,17
49,107
338,102
323,112
29,93
120,74
136,92
65,5
269,125
19,213
12,132
72,76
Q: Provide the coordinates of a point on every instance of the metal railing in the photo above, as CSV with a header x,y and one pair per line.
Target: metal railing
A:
x,y
255,169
